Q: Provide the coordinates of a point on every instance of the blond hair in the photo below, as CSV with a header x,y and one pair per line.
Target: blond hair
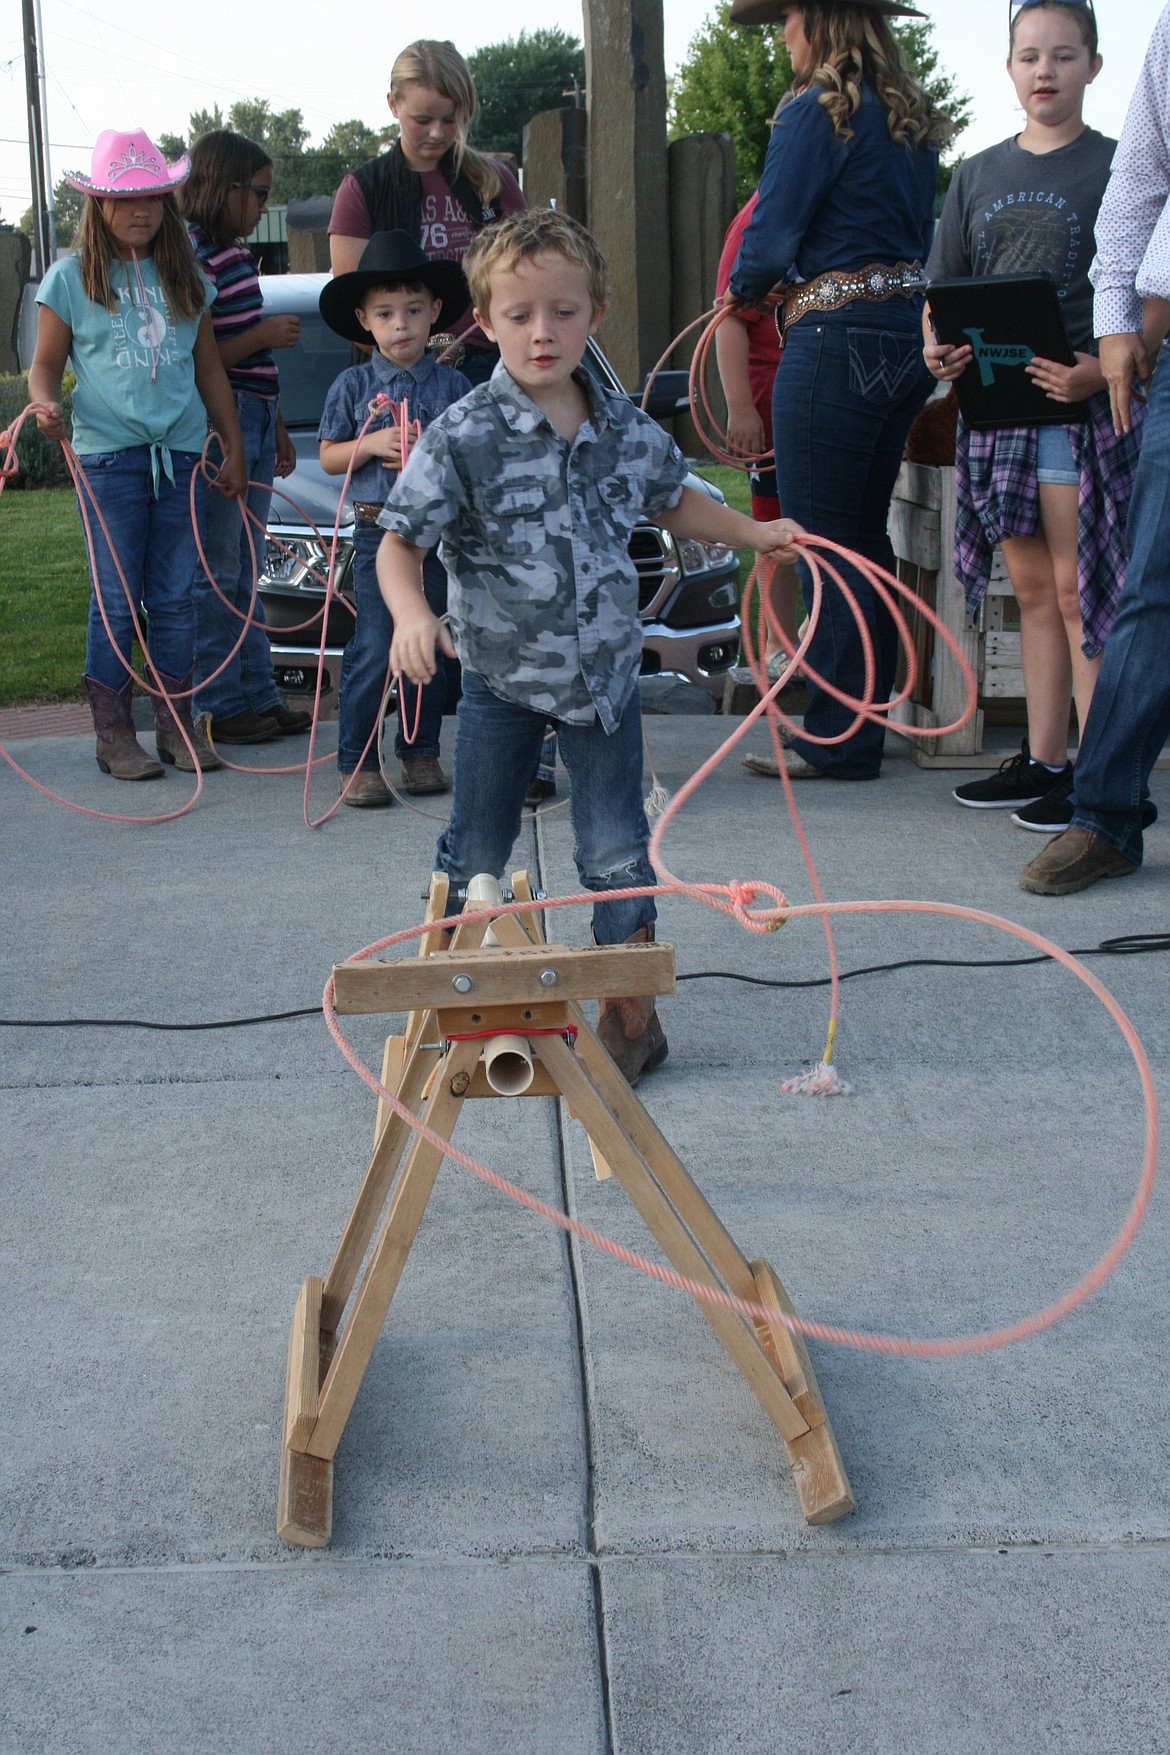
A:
x,y
440,67
853,45
521,236
179,275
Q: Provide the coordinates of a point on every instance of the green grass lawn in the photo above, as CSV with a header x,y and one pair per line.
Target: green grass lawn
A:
x,y
44,597
44,589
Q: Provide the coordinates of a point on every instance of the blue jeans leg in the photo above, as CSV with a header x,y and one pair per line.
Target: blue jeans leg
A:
x,y
496,748
247,682
1129,720
155,545
847,389
364,661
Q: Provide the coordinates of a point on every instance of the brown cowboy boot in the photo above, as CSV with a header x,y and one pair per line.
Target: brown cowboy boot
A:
x,y
118,750
629,1029
168,739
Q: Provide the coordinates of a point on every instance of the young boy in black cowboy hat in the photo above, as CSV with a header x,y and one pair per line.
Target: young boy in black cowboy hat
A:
x,y
393,302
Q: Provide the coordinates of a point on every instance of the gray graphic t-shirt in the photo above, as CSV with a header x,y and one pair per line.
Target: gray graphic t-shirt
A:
x,y
1014,212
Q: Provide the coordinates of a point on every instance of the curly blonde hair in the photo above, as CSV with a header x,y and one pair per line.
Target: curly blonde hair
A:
x,y
440,67
178,272
852,46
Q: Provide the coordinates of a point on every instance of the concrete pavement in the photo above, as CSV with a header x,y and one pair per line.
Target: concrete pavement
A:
x,y
561,1521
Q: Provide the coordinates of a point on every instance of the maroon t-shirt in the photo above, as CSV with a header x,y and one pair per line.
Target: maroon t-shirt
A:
x,y
446,229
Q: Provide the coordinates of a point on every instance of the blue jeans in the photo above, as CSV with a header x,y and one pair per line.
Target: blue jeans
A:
x,y
363,664
496,748
247,682
155,544
847,388
1129,719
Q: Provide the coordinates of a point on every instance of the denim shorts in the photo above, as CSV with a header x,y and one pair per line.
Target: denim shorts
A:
x,y
1054,458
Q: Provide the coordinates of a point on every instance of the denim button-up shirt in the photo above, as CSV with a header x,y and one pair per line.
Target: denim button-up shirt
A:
x,y
534,532
428,389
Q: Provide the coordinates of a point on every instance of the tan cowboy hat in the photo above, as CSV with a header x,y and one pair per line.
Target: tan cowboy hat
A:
x,y
768,11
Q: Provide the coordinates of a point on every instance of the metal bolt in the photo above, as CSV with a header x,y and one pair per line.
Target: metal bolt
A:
x,y
462,983
549,978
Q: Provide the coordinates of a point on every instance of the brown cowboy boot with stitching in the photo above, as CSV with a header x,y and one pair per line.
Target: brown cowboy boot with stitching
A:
x,y
118,750
168,739
629,1029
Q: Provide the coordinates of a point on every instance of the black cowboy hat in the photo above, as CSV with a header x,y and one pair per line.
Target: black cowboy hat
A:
x,y
768,11
390,257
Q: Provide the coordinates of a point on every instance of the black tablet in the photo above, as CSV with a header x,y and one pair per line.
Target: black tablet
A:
x,y
1007,319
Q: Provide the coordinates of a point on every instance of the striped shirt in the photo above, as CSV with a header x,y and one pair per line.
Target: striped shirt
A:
x,y
238,306
1133,226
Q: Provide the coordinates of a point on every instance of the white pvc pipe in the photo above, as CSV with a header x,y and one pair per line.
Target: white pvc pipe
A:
x,y
483,891
507,1065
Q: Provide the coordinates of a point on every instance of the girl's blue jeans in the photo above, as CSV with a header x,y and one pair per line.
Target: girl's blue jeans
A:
x,y
363,664
155,544
247,682
847,388
496,747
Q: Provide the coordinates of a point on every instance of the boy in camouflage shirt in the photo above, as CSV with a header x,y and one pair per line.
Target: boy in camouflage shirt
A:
x,y
531,486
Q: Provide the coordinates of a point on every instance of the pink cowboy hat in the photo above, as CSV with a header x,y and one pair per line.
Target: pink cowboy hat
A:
x,y
128,164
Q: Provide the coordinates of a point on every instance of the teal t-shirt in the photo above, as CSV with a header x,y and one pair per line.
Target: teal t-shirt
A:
x,y
116,404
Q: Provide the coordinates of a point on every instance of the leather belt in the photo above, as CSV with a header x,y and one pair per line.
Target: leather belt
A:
x,y
366,512
828,292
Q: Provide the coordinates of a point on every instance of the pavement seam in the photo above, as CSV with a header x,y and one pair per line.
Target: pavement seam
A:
x,y
588,1403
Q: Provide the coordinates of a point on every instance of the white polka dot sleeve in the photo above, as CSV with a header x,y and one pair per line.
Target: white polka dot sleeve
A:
x,y
1133,226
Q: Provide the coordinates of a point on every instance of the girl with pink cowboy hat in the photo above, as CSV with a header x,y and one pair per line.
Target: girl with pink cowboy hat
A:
x,y
128,311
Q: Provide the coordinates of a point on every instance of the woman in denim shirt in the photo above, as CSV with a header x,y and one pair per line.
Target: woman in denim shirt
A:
x,y
844,218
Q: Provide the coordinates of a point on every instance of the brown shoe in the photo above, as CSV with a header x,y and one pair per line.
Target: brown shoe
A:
x,y
629,1029
368,790
119,752
289,720
795,764
1073,861
422,774
244,727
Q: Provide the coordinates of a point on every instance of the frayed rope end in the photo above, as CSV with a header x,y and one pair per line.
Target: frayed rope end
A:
x,y
822,1081
657,802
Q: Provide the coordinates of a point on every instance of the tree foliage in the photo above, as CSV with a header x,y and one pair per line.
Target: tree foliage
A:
x,y
734,76
66,214
517,79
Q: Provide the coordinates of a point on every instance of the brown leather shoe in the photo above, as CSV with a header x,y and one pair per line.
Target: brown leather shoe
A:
x,y
289,720
629,1029
244,727
1073,861
368,790
422,774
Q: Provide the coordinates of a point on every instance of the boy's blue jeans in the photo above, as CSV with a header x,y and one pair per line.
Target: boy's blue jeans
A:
x,y
155,545
247,682
496,747
363,665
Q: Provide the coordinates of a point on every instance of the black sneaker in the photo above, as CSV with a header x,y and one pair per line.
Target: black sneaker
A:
x,y
1049,814
1019,780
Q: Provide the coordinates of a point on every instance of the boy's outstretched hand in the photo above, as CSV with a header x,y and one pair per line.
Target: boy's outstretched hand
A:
x,y
778,539
412,650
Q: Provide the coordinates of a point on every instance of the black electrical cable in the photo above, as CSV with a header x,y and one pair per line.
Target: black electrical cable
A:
x,y
1130,944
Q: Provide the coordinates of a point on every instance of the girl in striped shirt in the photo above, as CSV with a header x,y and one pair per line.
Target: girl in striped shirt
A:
x,y
227,191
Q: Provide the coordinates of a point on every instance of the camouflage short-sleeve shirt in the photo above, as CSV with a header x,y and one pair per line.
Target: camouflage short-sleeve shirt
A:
x,y
533,530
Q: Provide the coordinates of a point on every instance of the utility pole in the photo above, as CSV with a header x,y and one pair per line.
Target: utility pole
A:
x,y
38,166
